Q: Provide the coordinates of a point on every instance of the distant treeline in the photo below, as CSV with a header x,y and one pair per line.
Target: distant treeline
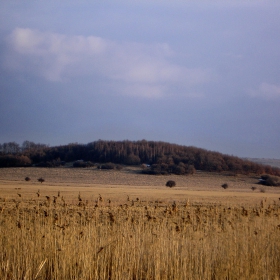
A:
x,y
155,157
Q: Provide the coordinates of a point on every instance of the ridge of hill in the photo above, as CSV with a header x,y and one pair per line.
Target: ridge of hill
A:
x,y
156,157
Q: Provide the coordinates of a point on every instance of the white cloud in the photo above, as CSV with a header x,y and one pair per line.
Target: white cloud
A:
x,y
25,40
49,54
143,69
266,91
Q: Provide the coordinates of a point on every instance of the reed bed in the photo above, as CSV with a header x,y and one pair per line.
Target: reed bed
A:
x,y
51,238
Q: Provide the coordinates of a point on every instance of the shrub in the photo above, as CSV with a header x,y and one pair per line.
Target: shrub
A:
x,y
119,167
253,188
191,169
179,169
151,172
269,180
79,164
158,169
27,179
225,186
41,180
144,166
45,164
170,184
14,161
132,160
108,165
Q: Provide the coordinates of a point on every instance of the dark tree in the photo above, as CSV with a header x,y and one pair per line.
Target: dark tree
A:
x,y
164,158
11,160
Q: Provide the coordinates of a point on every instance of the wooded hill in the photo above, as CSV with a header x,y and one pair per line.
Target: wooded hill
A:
x,y
156,157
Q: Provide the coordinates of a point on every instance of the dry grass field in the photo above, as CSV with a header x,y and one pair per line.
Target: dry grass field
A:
x,y
100,224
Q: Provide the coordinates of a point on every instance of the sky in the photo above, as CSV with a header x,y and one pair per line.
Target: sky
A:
x,y
203,73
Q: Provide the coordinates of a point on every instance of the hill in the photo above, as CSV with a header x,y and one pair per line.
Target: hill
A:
x,y
155,157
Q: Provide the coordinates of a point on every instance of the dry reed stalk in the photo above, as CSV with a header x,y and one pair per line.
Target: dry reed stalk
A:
x,y
195,242
40,268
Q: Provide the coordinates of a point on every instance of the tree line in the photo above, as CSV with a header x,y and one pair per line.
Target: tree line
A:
x,y
156,157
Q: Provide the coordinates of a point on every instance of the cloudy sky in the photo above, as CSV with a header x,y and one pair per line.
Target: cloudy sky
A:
x,y
204,73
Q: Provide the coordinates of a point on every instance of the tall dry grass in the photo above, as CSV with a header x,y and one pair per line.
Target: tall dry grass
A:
x,y
50,238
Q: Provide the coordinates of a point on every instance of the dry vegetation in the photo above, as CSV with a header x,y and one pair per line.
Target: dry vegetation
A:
x,y
73,226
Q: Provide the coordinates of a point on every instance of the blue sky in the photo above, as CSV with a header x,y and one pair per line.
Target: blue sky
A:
x,y
200,73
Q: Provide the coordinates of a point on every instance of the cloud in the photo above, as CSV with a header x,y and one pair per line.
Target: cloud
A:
x,y
266,91
138,69
49,54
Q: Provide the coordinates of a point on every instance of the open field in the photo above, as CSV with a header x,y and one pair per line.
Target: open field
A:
x,y
93,224
116,185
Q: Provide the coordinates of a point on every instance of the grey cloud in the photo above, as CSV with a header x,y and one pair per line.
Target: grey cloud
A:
x,y
202,73
144,69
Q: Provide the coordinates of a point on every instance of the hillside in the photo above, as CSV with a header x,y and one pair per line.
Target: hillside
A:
x,y
156,157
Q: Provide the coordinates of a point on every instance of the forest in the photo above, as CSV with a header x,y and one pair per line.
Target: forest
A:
x,y
156,157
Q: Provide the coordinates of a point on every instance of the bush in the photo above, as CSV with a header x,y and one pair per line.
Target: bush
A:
x,y
14,161
52,163
225,186
191,170
158,169
179,169
82,164
27,179
108,165
151,172
119,167
170,184
132,160
41,180
269,180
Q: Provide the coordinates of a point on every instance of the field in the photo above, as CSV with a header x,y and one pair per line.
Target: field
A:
x,y
101,224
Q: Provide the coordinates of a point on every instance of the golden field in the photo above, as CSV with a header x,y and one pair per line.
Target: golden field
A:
x,y
100,224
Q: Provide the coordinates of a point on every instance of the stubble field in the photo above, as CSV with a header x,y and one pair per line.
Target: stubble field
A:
x,y
100,224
